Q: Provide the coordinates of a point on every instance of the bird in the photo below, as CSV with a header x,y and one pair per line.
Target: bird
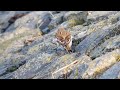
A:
x,y
64,38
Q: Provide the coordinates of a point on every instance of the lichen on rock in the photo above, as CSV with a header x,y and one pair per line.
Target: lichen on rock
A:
x,y
29,50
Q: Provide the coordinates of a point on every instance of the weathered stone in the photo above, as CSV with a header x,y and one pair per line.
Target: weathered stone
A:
x,y
7,76
30,69
33,20
79,16
100,64
45,31
99,14
119,75
25,54
56,20
98,37
112,72
61,63
2,70
109,45
4,18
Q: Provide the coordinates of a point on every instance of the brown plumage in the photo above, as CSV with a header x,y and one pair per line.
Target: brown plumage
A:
x,y
64,38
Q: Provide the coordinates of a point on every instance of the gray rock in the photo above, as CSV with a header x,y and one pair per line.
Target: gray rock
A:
x,y
45,22
101,64
99,14
56,20
8,17
119,75
39,68
68,24
32,21
7,76
40,49
78,72
109,45
98,37
56,12
30,69
45,31
4,18
112,72
79,69
18,14
79,16
60,63
11,49
2,70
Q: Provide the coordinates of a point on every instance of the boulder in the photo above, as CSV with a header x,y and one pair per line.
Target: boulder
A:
x,y
98,37
29,50
101,64
5,16
56,20
79,17
112,72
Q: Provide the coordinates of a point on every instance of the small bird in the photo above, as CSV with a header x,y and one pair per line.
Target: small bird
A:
x,y
64,38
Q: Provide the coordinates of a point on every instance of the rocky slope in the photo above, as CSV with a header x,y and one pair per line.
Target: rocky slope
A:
x,y
28,49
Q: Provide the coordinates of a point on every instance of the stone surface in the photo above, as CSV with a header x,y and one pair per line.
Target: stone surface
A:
x,y
119,75
4,18
112,72
56,20
79,16
28,47
98,37
102,63
109,45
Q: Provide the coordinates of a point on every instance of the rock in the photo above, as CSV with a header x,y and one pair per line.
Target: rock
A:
x,y
29,50
78,72
101,64
98,15
56,20
79,16
8,17
112,72
93,28
44,49
32,21
45,67
2,70
10,50
79,32
45,31
4,18
18,14
45,22
30,69
119,75
6,76
109,45
80,68
20,35
68,24
56,12
97,37
65,60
